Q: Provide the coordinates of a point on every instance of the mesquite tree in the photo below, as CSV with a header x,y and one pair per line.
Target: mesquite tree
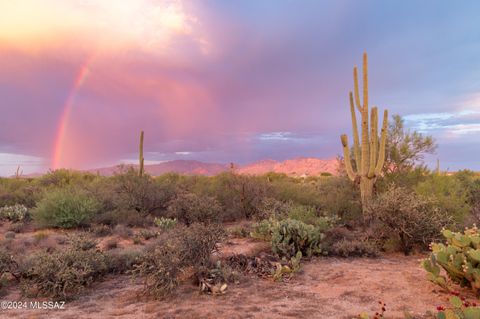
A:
x,y
370,154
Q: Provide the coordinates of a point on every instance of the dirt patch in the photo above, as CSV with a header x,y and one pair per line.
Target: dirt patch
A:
x,y
325,288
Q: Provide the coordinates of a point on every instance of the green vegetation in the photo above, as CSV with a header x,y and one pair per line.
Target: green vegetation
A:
x,y
185,247
459,258
64,273
65,208
407,217
291,236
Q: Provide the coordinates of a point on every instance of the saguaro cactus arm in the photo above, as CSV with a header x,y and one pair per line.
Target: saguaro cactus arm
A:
x,y
373,141
346,156
356,143
381,151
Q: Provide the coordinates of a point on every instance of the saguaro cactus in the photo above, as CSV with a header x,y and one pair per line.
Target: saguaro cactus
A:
x,y
141,159
370,154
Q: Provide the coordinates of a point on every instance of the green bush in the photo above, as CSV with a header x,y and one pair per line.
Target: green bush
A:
x,y
129,191
63,273
408,217
65,208
185,247
190,208
240,196
121,261
115,217
61,178
271,207
449,192
20,191
291,236
15,213
308,215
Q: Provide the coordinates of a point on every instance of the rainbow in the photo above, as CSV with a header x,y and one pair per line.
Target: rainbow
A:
x,y
59,143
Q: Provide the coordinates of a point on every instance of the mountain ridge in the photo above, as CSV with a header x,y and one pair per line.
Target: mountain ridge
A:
x,y
302,166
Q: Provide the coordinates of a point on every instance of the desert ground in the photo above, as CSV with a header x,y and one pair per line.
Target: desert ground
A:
x,y
326,287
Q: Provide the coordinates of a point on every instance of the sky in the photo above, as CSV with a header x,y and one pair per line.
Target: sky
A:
x,y
228,81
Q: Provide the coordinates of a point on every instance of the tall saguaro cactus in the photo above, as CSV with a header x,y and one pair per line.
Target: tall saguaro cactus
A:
x,y
141,159
370,154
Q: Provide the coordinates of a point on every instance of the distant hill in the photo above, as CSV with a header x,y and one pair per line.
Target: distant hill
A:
x,y
293,167
177,166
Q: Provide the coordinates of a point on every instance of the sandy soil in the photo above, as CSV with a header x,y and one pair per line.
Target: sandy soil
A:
x,y
325,288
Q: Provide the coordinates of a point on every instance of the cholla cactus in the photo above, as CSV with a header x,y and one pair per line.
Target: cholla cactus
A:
x,y
15,213
370,154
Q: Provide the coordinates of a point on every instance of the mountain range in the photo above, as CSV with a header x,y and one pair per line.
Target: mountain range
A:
x,y
293,167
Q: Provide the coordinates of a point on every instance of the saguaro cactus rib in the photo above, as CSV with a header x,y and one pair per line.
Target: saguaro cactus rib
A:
x,y
370,157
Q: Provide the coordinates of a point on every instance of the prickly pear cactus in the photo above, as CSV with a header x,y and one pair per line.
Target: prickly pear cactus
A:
x,y
459,257
291,236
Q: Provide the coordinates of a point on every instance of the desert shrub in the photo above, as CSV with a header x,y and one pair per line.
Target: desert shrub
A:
x,y
82,242
191,208
408,217
344,242
470,181
213,279
9,235
19,191
184,247
65,208
63,273
61,178
147,234
338,196
130,218
112,243
240,195
290,236
353,248
459,257
121,261
271,207
295,190
123,231
165,223
17,227
144,194
308,215
101,230
241,231
8,265
15,213
449,192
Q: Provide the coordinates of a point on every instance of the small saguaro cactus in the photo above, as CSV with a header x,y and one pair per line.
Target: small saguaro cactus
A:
x,y
141,159
370,154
